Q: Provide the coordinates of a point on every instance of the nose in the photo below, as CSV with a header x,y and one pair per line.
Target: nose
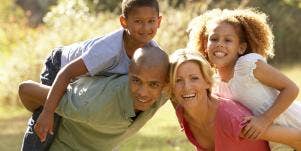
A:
x,y
147,26
142,91
220,44
187,85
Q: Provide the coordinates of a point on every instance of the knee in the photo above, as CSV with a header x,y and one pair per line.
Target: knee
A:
x,y
24,87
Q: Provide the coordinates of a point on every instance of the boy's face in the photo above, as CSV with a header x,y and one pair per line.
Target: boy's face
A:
x,y
146,85
141,24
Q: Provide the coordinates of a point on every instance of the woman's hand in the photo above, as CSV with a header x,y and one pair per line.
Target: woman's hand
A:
x,y
255,127
44,125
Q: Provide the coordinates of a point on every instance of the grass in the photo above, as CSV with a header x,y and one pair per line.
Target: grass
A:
x,y
161,133
12,125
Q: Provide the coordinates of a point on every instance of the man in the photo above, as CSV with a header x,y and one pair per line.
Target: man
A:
x,y
100,112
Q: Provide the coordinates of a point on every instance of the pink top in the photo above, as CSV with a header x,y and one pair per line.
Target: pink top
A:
x,y
228,124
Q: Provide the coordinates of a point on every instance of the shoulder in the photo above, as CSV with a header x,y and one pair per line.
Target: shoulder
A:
x,y
251,57
229,118
247,63
228,109
111,41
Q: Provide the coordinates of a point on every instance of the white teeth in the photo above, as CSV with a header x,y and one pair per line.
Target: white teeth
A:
x,y
219,54
188,96
140,100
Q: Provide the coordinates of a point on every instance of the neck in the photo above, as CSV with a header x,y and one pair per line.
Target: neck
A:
x,y
130,45
226,73
204,115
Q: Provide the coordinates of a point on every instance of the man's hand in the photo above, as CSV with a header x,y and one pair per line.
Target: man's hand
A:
x,y
255,127
44,125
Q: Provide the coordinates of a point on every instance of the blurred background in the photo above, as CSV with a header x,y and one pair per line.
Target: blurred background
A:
x,y
30,29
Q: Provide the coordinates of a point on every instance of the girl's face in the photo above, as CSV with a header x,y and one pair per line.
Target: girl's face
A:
x,y
223,45
190,84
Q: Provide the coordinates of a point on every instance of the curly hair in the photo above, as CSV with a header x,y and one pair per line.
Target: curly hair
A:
x,y
251,25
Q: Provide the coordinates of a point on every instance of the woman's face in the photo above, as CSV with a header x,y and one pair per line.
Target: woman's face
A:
x,y
189,83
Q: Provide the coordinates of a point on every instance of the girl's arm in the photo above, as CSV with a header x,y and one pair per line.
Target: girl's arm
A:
x,y
283,135
271,77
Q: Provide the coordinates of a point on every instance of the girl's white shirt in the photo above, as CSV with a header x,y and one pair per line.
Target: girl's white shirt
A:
x,y
246,89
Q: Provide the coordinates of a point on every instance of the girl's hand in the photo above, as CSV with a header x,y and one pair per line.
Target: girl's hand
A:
x,y
255,127
44,125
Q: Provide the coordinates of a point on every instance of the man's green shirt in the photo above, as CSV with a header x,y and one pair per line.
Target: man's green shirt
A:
x,y
97,114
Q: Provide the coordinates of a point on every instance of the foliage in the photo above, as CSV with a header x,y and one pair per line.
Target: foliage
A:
x,y
64,25
23,49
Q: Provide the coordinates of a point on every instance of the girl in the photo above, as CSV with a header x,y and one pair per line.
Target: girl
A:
x,y
237,43
212,123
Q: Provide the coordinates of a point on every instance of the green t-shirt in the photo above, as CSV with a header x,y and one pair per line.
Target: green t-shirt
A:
x,y
97,114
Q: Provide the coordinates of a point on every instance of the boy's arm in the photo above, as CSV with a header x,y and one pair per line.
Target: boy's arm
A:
x,y
271,77
45,121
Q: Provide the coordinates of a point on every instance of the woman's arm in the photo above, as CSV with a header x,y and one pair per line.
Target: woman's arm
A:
x,y
271,77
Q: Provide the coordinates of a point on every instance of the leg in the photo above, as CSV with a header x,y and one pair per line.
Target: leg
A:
x,y
32,94
31,142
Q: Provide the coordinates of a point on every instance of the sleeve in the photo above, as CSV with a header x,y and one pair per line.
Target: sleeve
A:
x,y
80,98
68,110
231,121
246,64
100,56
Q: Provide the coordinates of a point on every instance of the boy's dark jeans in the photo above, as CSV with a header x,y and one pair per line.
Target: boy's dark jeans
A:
x,y
31,141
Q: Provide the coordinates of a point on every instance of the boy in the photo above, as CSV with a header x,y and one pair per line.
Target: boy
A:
x,y
103,55
100,112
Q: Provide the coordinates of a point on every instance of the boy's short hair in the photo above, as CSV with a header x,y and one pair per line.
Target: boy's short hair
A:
x,y
128,5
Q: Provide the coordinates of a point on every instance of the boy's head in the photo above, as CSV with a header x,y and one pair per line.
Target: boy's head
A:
x,y
128,5
140,19
148,75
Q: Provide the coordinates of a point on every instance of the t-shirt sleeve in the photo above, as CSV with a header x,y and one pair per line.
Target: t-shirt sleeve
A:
x,y
231,119
67,109
246,64
100,57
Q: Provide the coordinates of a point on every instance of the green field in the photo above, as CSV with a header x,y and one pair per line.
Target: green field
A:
x,y
162,133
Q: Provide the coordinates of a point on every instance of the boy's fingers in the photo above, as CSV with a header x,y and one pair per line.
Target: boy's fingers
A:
x,y
51,130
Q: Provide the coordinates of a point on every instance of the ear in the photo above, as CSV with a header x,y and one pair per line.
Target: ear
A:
x,y
242,48
159,21
123,21
207,85
205,41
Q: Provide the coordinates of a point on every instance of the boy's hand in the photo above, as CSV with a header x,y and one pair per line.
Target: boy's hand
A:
x,y
44,125
255,127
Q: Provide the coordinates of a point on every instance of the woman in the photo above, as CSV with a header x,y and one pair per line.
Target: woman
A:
x,y
209,122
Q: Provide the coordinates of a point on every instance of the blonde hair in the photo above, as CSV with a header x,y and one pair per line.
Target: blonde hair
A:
x,y
183,55
250,24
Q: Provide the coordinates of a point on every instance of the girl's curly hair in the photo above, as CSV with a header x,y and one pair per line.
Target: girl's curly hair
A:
x,y
251,26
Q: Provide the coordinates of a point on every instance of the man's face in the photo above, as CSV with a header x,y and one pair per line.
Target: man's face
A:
x,y
142,24
146,85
